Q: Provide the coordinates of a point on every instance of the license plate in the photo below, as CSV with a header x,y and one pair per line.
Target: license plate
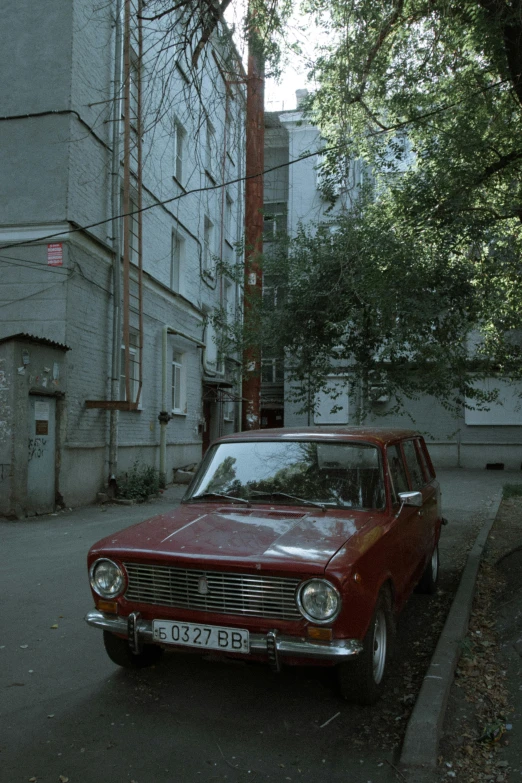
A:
x,y
208,637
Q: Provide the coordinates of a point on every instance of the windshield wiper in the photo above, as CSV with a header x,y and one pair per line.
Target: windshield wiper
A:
x,y
275,494
208,495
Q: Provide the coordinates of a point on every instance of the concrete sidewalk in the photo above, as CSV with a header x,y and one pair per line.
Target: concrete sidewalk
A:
x,y
470,501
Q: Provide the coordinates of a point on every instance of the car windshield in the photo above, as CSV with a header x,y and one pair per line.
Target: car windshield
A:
x,y
346,475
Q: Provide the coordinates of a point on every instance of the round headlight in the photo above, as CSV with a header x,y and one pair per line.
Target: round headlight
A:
x,y
319,601
107,578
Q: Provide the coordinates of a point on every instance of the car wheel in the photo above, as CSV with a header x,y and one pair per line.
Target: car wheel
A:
x,y
120,653
361,681
429,579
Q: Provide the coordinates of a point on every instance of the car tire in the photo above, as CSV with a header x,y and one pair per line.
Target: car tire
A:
x,y
429,580
120,653
361,681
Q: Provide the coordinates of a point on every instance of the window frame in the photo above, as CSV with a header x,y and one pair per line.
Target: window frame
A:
x,y
208,240
178,364
134,78
399,455
210,144
177,251
180,135
134,359
409,469
229,409
229,206
273,219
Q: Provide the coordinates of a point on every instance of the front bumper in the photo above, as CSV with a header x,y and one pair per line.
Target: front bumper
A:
x,y
273,644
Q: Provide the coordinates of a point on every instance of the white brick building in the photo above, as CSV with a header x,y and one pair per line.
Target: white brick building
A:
x,y
57,252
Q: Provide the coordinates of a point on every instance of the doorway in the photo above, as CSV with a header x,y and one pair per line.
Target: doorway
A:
x,y
41,457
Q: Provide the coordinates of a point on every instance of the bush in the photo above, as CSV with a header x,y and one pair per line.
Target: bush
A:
x,y
512,491
139,482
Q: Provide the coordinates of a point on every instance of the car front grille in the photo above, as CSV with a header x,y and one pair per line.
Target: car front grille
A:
x,y
213,591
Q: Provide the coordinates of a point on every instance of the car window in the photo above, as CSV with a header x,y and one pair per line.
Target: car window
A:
x,y
425,458
414,466
398,475
347,475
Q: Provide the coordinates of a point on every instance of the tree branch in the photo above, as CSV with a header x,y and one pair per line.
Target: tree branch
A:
x,y
215,15
164,13
508,16
381,38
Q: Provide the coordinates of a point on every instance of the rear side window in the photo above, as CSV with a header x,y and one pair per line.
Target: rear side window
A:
x,y
397,472
414,465
425,459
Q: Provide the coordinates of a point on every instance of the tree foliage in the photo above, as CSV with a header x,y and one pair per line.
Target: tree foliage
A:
x,y
437,83
393,306
429,94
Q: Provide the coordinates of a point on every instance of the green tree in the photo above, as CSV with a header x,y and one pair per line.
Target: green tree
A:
x,y
395,308
429,94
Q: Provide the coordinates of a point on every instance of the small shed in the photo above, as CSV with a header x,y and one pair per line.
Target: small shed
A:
x,y
32,392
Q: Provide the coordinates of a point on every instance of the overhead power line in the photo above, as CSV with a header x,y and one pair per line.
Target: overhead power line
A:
x,y
171,200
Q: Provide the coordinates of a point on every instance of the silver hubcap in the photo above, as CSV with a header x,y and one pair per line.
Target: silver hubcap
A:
x,y
379,646
435,564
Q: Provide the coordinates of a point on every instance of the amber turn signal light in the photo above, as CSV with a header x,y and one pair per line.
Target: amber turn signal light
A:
x,y
111,607
321,634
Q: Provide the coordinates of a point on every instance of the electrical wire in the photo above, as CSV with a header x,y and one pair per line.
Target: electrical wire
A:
x,y
206,189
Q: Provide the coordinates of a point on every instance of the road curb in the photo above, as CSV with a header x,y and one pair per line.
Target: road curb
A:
x,y
421,742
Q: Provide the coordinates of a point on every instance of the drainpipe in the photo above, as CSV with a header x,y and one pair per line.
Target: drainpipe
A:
x,y
164,416
116,246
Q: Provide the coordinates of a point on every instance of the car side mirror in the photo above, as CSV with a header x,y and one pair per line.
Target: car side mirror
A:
x,y
411,498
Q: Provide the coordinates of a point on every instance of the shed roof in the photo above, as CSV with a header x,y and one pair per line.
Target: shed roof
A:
x,y
33,338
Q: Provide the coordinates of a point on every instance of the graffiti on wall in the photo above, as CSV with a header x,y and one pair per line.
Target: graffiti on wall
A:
x,y
37,448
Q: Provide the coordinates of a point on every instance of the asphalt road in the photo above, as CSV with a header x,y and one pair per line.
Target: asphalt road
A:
x,y
67,712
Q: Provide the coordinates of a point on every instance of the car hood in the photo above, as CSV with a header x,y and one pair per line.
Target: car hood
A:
x,y
257,537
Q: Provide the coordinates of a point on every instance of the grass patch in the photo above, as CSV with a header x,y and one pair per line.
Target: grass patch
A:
x,y
511,491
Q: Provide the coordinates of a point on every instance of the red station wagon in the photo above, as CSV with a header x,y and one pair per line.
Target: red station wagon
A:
x,y
291,546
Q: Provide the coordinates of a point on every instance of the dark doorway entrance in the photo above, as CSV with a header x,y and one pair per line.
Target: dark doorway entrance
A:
x,y
272,417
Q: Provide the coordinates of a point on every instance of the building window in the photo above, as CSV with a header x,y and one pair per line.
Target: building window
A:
x,y
133,224
274,221
228,300
176,261
208,245
270,296
228,409
332,405
134,232
229,206
178,383
272,371
134,77
179,152
134,369
210,147
229,131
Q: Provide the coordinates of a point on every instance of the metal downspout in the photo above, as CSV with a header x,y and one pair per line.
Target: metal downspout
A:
x,y
163,417
116,246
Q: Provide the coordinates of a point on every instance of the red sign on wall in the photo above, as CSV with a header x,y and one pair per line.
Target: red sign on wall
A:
x,y
55,254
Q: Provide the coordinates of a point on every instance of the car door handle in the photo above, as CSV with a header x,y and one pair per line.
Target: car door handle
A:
x,y
420,513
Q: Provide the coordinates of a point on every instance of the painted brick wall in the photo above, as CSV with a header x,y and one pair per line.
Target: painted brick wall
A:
x,y
59,169
35,56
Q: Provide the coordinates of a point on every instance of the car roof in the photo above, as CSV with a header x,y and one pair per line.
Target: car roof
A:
x,y
376,435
